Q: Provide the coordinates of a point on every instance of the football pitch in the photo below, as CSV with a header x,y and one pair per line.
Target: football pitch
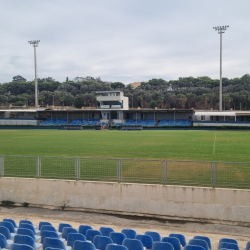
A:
x,y
196,146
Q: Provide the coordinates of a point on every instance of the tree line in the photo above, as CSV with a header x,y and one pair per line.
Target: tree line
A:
x,y
183,93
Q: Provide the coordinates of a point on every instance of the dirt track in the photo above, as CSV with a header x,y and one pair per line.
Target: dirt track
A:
x,y
214,231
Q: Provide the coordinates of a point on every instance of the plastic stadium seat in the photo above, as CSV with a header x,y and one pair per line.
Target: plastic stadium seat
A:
x,y
67,230
62,225
21,247
106,231
9,226
30,227
197,242
162,246
204,238
28,222
133,244
50,228
101,242
24,231
91,233
117,238
54,243
130,233
27,240
227,245
43,223
72,237
6,232
51,248
181,238
248,245
115,247
174,241
53,122
50,234
155,236
83,228
11,221
147,240
192,247
228,240
3,242
80,245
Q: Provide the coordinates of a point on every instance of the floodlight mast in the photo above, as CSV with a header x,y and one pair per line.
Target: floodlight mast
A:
x,y
221,30
34,43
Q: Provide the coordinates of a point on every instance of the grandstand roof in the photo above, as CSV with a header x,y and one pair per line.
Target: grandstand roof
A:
x,y
22,110
222,113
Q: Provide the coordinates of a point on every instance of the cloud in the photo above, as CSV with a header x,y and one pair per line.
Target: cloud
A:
x,y
123,40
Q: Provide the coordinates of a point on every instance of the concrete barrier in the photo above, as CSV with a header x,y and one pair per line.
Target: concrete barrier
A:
x,y
175,201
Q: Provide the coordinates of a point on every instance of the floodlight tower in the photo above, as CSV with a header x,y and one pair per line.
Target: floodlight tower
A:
x,y
221,30
35,44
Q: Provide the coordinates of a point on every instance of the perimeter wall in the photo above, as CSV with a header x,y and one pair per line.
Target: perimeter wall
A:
x,y
175,201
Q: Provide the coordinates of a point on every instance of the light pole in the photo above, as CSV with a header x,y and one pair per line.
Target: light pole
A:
x,y
221,30
34,43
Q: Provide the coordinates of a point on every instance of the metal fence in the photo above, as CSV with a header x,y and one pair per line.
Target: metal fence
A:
x,y
166,172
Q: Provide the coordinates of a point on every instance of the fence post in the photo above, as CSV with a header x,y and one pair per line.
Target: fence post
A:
x,y
38,167
76,168
79,169
118,170
166,172
2,165
215,174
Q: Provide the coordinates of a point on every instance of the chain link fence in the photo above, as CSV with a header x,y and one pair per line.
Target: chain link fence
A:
x,y
166,172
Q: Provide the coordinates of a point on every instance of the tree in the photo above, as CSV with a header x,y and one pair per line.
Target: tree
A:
x,y
62,99
18,78
153,104
117,85
41,97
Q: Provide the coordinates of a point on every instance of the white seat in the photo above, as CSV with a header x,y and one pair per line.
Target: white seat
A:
x,y
37,238
38,246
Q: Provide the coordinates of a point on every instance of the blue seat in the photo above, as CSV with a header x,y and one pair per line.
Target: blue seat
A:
x,y
174,241
115,247
155,236
83,228
117,238
197,242
133,244
147,240
198,237
51,248
21,247
50,234
192,247
228,240
28,222
6,232
25,231
91,233
30,227
9,225
11,221
101,242
162,246
227,245
50,228
54,243
83,245
248,245
3,242
62,225
181,238
72,237
106,231
43,223
130,233
67,230
27,240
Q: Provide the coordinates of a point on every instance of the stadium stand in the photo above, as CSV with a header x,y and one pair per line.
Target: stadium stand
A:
x,y
83,229
117,238
54,122
174,241
147,241
144,123
130,233
164,246
172,122
27,240
101,242
181,238
85,122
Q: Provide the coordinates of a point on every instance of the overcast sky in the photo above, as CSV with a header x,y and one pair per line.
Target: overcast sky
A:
x,y
123,40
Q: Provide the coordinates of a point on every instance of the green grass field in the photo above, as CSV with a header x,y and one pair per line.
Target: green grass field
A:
x,y
229,146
